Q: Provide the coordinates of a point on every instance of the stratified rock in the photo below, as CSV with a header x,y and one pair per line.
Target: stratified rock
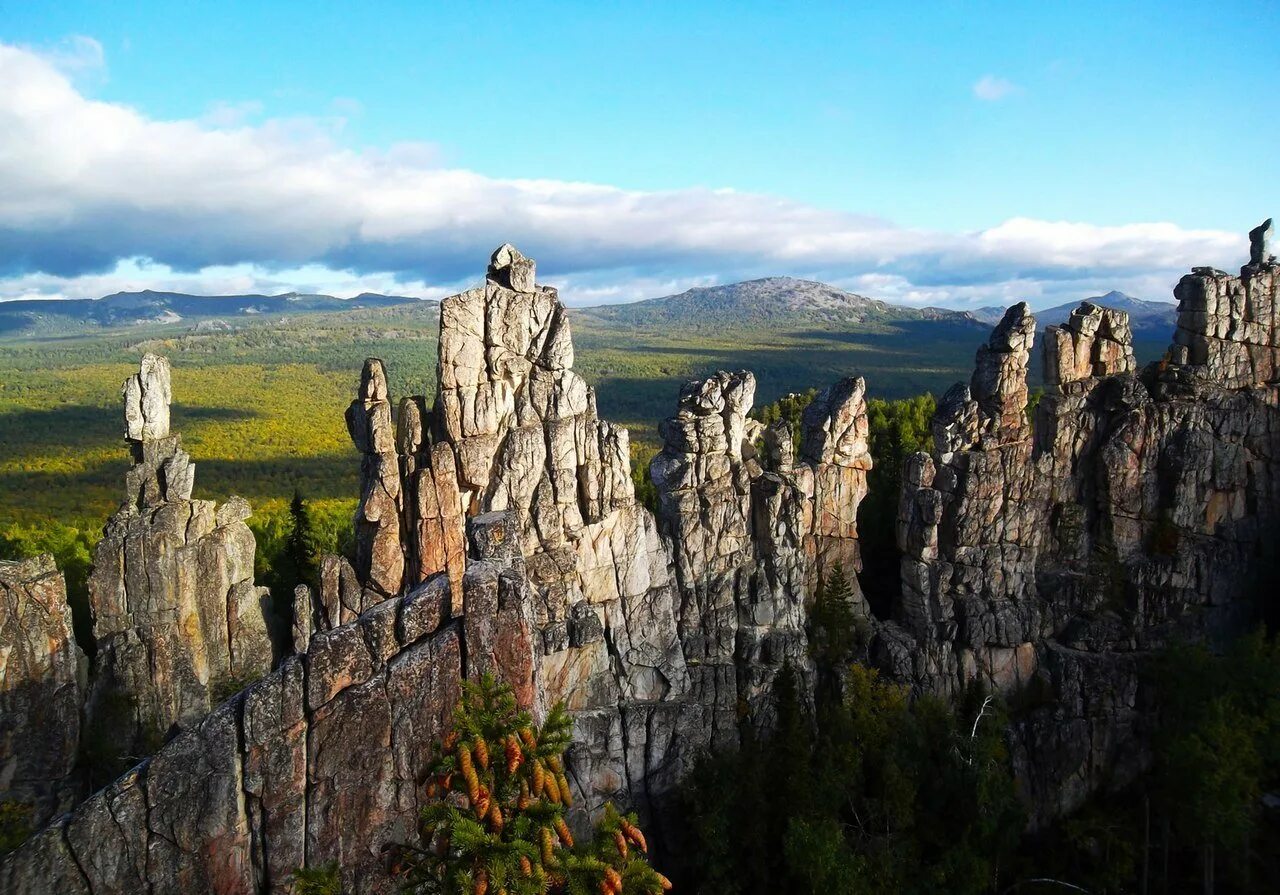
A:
x,y
1227,325
41,686
1137,510
1095,342
177,617
835,448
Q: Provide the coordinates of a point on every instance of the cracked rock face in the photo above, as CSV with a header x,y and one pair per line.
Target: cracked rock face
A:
x,y
1227,325
498,531
41,687
1136,510
176,614
323,759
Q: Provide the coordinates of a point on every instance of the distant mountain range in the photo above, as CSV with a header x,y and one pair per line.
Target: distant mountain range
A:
x,y
769,300
163,308
1151,319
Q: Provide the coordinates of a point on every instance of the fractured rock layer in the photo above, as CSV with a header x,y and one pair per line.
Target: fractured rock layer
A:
x,y
176,614
1135,510
41,687
1051,556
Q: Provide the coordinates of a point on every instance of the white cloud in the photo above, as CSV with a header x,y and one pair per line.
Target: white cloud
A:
x,y
137,274
207,200
992,89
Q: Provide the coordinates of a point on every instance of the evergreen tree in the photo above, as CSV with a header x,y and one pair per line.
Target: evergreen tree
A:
x,y
299,558
497,822
884,794
833,626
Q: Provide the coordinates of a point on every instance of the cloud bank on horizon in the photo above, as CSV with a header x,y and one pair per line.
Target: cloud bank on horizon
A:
x,y
98,197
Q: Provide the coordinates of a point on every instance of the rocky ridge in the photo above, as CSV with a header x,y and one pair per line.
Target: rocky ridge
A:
x,y
1052,556
1046,556
42,681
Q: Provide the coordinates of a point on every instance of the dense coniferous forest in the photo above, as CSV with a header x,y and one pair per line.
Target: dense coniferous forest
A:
x,y
874,790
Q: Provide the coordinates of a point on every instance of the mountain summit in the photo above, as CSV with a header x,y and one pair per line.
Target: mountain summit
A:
x,y
1146,318
772,299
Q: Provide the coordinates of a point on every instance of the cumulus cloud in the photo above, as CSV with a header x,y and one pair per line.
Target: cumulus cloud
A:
x,y
992,89
89,185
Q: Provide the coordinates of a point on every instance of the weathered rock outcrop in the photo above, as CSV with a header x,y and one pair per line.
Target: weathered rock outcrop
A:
x,y
499,531
749,540
1227,325
513,428
176,614
834,450
41,687
323,760
1051,559
966,526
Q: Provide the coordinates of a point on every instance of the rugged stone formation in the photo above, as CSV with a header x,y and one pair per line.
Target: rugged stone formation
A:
x,y
380,556
176,614
1045,560
968,544
513,428
324,759
1051,560
1227,325
748,543
834,449
656,642
41,687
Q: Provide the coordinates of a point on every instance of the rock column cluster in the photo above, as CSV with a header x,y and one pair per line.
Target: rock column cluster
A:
x,y
178,620
750,539
1135,510
968,526
498,531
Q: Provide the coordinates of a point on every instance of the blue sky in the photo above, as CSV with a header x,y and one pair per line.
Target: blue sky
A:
x,y
948,153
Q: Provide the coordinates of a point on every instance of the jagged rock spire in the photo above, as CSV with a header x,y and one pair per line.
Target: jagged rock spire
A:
x,y
162,470
999,382
176,613
146,400
380,555
835,431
